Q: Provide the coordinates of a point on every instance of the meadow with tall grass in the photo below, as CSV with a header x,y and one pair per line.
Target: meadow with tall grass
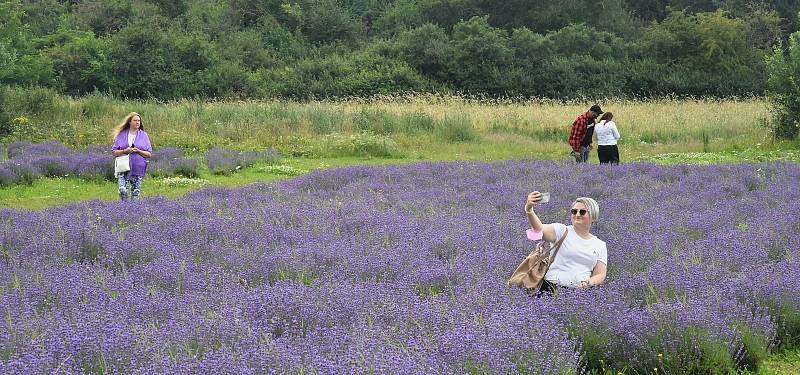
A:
x,y
413,127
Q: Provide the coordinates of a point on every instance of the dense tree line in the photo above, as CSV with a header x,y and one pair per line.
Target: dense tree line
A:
x,y
168,49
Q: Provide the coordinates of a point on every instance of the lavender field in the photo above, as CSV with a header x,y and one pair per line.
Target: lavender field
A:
x,y
402,269
22,162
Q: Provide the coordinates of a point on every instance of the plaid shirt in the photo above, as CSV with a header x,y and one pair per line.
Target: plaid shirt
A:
x,y
578,131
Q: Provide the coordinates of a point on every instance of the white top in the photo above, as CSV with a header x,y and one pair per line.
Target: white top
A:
x,y
576,258
607,133
131,137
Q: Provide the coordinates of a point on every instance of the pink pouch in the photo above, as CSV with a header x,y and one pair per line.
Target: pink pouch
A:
x,y
534,235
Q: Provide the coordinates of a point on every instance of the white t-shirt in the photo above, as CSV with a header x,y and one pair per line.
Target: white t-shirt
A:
x,y
131,137
576,258
607,133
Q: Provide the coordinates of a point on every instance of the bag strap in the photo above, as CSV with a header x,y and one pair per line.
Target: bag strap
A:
x,y
558,245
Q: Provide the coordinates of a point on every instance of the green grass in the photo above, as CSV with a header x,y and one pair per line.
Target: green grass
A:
x,y
391,127
782,363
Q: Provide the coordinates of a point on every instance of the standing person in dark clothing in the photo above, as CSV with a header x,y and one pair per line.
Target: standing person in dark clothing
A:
x,y
580,128
586,143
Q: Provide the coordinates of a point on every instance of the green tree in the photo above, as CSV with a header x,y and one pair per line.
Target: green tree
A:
x,y
21,62
80,60
325,21
545,16
103,17
446,13
713,47
148,62
481,56
401,16
580,39
783,88
428,49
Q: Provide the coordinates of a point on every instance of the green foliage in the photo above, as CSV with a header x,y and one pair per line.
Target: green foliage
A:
x,y
580,39
305,49
324,21
708,52
697,353
359,75
399,16
456,129
5,119
363,144
481,55
756,349
80,58
428,49
783,89
20,62
103,17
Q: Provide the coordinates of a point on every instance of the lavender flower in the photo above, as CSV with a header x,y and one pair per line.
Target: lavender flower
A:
x,y
402,269
222,161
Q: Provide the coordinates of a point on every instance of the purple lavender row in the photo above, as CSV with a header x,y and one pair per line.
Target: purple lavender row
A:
x,y
27,161
402,269
223,161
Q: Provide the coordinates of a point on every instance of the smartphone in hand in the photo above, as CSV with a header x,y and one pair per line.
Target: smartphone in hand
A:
x,y
544,198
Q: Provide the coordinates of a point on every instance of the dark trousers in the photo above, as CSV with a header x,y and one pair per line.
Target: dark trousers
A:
x,y
608,154
547,289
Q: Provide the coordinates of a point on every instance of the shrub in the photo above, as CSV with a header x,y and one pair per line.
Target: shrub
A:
x,y
222,161
457,129
170,161
783,89
363,144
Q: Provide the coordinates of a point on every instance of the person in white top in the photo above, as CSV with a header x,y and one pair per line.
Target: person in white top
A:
x,y
607,137
582,259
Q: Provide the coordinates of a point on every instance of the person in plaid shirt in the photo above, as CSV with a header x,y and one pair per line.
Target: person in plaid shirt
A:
x,y
579,151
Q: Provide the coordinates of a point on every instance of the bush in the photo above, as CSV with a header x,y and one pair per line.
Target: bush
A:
x,y
363,144
457,129
783,89
222,161
170,161
5,119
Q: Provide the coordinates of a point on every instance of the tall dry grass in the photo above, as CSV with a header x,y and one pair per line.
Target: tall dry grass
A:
x,y
413,125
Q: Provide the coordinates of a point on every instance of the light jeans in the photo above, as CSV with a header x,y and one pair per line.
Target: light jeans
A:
x,y
123,180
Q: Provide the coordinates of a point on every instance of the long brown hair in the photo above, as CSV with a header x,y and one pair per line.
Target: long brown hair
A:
x,y
607,116
126,124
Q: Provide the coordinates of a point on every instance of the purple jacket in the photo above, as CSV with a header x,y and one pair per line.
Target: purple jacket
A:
x,y
142,142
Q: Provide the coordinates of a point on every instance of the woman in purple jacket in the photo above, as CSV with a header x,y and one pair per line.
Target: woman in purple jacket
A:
x,y
131,139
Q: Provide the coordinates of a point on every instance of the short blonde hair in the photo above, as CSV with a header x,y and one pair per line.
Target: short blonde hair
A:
x,y
591,206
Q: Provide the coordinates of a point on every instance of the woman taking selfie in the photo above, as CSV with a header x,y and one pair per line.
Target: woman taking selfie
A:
x,y
582,259
131,139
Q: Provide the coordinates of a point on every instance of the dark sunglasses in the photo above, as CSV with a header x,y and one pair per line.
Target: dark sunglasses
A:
x,y
575,211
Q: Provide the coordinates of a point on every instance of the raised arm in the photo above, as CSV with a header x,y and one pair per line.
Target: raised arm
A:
x,y
548,232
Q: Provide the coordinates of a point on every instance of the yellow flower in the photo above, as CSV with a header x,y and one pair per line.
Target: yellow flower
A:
x,y
21,120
